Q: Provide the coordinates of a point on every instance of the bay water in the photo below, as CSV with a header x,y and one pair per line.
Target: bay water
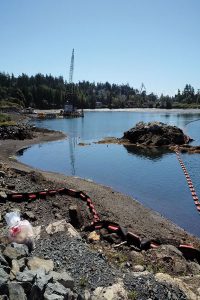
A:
x,y
153,177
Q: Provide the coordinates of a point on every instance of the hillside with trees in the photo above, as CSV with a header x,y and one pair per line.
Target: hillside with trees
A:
x,y
48,92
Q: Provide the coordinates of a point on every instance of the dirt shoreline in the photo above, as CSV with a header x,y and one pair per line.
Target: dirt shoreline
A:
x,y
109,203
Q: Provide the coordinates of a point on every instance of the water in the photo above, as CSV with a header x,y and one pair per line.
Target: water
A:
x,y
153,177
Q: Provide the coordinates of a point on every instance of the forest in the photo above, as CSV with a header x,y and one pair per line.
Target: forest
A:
x,y
49,92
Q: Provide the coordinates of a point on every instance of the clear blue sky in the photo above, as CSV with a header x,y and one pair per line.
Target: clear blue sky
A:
x,y
121,41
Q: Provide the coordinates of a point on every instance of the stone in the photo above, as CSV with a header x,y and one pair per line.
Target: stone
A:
x,y
3,288
75,216
26,276
29,215
63,278
27,286
3,297
170,250
138,268
193,268
16,291
58,216
176,282
11,186
2,174
56,288
15,269
39,263
22,263
156,134
87,295
37,232
93,236
114,292
40,284
53,297
3,276
3,261
42,279
3,196
36,293
5,268
112,238
62,226
15,251
56,205
136,257
179,267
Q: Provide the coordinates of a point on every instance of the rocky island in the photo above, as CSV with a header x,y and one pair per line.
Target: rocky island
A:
x,y
156,134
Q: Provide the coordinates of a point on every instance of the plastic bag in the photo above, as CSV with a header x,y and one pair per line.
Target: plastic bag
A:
x,y
19,231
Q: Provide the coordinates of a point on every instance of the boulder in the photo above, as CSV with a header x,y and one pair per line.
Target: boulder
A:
x,y
56,288
16,291
156,134
75,216
26,276
3,276
62,226
93,236
15,251
63,278
176,282
15,269
114,292
35,263
40,284
138,268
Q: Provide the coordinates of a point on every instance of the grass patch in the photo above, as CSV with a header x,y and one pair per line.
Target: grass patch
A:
x,y
5,120
118,258
132,295
83,282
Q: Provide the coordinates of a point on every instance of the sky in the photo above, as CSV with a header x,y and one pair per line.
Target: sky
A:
x,y
156,42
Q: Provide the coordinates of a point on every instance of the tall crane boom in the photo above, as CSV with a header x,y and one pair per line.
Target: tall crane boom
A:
x,y
71,71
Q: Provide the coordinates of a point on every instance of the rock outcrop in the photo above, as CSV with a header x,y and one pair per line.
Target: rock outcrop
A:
x,y
156,134
16,132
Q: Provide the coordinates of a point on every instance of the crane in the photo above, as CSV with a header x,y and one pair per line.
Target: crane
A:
x,y
71,70
142,88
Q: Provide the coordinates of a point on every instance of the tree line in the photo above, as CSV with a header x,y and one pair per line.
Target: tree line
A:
x,y
47,92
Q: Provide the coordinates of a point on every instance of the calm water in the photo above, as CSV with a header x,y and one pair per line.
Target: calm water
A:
x,y
154,178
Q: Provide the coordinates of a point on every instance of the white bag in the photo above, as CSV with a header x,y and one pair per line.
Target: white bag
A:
x,y
19,231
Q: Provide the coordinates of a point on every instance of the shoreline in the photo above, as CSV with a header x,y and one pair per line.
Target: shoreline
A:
x,y
112,205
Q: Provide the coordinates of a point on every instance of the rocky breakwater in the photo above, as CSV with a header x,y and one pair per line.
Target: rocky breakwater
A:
x,y
156,134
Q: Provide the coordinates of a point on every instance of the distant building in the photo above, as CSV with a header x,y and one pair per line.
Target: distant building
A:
x,y
28,110
68,108
99,104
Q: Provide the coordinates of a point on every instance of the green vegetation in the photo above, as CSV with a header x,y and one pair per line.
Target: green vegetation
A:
x,y
5,120
83,282
132,295
46,92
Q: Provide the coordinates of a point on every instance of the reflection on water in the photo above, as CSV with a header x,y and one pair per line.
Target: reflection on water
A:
x,y
149,153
